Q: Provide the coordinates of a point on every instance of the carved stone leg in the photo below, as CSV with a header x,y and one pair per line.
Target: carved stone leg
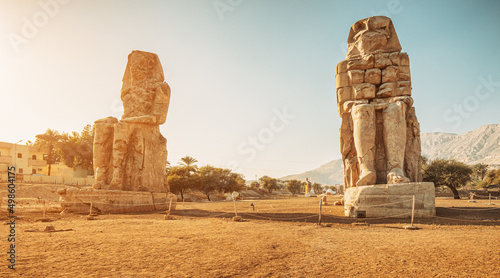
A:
x,y
363,117
103,141
120,145
395,141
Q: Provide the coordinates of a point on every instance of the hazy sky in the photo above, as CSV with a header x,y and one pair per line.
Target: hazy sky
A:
x,y
252,81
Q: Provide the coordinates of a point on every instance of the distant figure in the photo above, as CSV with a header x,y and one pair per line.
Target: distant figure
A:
x,y
308,188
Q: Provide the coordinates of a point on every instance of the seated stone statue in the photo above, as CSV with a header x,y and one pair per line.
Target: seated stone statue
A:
x,y
380,135
131,154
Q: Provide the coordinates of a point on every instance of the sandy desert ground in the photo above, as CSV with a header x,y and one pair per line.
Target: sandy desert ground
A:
x,y
279,239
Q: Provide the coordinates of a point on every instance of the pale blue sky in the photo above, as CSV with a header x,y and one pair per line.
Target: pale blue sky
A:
x,y
232,71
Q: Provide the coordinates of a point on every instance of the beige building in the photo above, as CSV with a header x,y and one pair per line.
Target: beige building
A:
x,y
28,159
31,166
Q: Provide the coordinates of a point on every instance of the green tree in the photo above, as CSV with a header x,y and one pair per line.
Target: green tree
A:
x,y
269,183
492,178
254,184
76,150
212,179
293,186
179,179
318,189
49,141
450,173
480,170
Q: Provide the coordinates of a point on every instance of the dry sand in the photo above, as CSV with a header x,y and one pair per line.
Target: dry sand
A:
x,y
278,239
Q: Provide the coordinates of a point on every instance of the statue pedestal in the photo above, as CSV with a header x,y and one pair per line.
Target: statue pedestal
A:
x,y
111,201
390,200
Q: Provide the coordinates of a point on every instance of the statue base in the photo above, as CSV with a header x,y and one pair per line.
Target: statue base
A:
x,y
111,201
390,200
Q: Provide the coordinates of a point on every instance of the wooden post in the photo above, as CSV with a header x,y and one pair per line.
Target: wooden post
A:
x,y
235,211
320,206
489,200
413,211
170,207
44,209
90,213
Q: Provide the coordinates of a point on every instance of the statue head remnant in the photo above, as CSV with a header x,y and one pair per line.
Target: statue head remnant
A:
x,y
131,154
380,134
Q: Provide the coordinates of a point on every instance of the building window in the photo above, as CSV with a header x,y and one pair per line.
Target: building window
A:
x,y
20,170
33,157
33,171
19,155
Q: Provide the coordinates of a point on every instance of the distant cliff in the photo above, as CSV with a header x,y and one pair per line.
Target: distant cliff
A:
x,y
478,146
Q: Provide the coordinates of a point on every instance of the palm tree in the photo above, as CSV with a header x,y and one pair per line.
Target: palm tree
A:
x,y
49,141
480,170
188,161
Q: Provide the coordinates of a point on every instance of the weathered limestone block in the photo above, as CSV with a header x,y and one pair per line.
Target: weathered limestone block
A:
x,y
365,62
404,73
373,76
386,90
391,200
394,57
380,134
356,76
341,67
382,60
130,154
342,80
110,201
404,88
344,94
390,74
404,60
364,91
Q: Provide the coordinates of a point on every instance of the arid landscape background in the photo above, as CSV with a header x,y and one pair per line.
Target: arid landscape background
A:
x,y
279,239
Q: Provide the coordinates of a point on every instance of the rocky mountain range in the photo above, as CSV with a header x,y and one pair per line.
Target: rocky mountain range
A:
x,y
478,146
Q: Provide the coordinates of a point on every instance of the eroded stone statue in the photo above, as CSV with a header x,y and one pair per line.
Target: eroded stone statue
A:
x,y
380,134
130,154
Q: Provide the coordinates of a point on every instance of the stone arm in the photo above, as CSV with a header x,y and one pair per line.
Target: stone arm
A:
x,y
161,103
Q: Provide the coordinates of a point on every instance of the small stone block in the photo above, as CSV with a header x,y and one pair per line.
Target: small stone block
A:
x,y
237,218
390,74
373,76
356,76
364,91
344,94
394,57
404,60
404,88
341,80
404,73
341,67
386,90
382,60
361,63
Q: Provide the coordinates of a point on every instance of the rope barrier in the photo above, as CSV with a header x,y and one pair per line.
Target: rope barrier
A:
x,y
470,220
279,218
485,209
